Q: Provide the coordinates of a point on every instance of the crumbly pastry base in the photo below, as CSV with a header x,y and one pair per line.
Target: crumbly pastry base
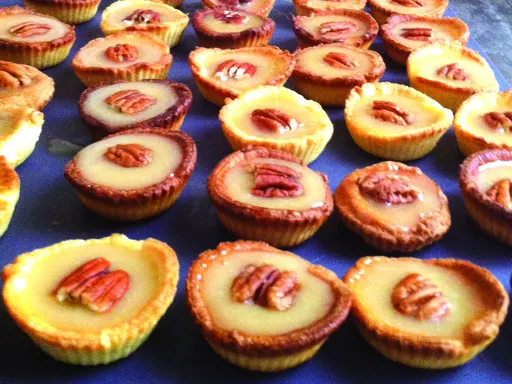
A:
x,y
67,11
86,348
9,194
302,8
381,12
261,10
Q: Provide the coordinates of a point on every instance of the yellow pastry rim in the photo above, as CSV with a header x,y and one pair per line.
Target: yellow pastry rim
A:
x,y
304,8
381,11
9,193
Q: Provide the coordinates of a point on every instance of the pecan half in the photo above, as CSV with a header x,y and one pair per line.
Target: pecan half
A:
x,y
130,101
93,286
409,3
29,28
453,72
391,113
418,297
340,60
418,34
265,285
274,120
230,17
121,53
501,193
142,16
129,155
274,180
501,122
337,30
389,188
232,69
13,76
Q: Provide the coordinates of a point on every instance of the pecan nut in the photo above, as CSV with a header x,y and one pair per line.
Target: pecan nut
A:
x,y
391,113
270,119
142,16
337,30
453,72
418,34
501,193
340,60
389,188
418,297
94,286
121,53
274,180
265,285
129,155
232,69
230,17
29,28
130,101
409,3
13,76
501,122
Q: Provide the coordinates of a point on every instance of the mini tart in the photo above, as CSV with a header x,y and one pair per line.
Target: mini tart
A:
x,y
67,11
19,132
73,333
434,314
24,86
484,121
31,38
351,27
122,105
225,73
309,7
395,122
256,206
257,336
393,207
402,34
327,72
227,27
9,193
133,174
449,73
485,182
130,56
296,125
258,7
159,20
382,9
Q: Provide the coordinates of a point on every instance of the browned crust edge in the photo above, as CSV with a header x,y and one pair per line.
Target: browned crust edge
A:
x,y
381,7
261,10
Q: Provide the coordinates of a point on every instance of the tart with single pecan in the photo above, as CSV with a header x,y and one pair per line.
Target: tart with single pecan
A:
x,y
435,314
449,73
24,86
310,7
350,27
402,34
258,7
271,196
31,38
484,121
91,302
264,309
159,20
9,193
225,73
133,174
395,122
276,118
67,11
131,56
382,9
227,27
121,105
393,207
327,72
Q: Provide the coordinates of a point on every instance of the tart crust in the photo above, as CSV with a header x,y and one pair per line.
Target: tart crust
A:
x,y
277,227
9,193
381,10
258,7
67,11
421,351
111,343
308,8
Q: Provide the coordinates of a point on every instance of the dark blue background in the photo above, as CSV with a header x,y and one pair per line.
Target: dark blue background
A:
x,y
49,212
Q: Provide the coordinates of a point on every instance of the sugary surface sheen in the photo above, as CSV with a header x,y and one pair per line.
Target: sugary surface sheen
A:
x,y
57,30
96,107
222,27
36,289
167,156
490,173
311,304
240,182
442,32
376,286
428,5
312,24
116,18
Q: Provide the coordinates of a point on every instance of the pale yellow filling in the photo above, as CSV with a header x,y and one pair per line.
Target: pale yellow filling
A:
x,y
240,181
57,31
122,11
442,33
312,303
312,25
220,26
328,5
489,174
426,7
167,155
96,107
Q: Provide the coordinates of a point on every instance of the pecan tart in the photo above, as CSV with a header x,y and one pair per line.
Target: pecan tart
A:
x,y
225,73
402,34
27,37
159,20
327,72
227,27
125,55
276,118
9,193
382,9
133,174
121,105
393,207
351,27
271,196
264,309
24,86
484,121
485,180
67,11
395,122
258,7
434,314
309,7
94,301
449,73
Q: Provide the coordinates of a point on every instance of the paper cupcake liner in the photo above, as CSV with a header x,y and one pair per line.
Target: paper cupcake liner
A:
x,y
91,79
36,58
213,95
468,144
329,95
70,13
451,99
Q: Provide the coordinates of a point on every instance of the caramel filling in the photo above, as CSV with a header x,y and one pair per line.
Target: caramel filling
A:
x,y
491,173
410,6
7,23
333,4
313,25
220,26
117,18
